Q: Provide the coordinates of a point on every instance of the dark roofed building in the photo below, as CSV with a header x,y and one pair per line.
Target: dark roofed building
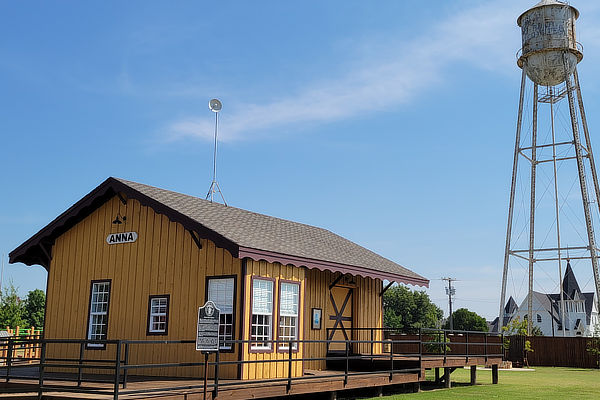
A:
x,y
132,261
581,313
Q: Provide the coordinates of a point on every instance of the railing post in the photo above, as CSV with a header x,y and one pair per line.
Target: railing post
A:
x,y
347,363
372,350
467,345
117,370
80,362
392,361
289,382
444,344
420,349
485,352
41,369
9,358
216,380
125,370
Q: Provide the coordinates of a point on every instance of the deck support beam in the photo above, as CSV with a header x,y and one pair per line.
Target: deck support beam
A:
x,y
473,374
437,375
379,391
447,372
416,387
495,374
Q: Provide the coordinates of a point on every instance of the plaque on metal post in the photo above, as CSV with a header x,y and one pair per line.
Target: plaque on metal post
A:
x,y
207,333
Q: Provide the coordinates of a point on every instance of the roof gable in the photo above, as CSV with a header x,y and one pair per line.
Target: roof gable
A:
x,y
243,233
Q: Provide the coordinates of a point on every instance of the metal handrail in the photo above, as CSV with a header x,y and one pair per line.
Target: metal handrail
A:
x,y
120,364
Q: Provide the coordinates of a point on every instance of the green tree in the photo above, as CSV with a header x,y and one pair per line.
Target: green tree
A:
x,y
516,327
405,309
593,345
465,320
11,308
34,308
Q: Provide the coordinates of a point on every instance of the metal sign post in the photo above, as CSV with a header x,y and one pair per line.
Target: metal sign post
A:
x,y
207,334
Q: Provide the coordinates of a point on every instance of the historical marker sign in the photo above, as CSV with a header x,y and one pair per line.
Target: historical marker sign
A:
x,y
207,333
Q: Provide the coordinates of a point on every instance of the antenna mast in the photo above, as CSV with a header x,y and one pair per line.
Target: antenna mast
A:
x,y
215,106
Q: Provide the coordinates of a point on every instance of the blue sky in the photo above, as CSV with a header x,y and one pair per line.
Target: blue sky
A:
x,y
391,123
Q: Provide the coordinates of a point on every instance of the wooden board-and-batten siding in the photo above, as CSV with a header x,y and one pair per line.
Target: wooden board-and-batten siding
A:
x,y
163,261
277,272
367,312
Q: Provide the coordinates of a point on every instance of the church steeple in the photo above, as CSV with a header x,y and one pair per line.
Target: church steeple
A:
x,y
571,288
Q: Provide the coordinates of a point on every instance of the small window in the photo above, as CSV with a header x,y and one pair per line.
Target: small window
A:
x,y
262,314
539,318
98,315
289,299
221,291
158,315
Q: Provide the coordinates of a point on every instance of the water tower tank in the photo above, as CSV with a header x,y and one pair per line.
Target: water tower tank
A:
x,y
548,32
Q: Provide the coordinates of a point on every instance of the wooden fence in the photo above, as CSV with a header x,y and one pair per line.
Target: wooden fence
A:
x,y
26,351
551,351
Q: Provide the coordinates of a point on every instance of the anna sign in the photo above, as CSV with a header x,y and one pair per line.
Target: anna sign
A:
x,y
123,237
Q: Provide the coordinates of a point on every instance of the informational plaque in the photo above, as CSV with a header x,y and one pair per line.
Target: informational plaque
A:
x,y
207,337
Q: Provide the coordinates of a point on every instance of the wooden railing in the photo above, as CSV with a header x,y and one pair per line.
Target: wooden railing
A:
x,y
429,342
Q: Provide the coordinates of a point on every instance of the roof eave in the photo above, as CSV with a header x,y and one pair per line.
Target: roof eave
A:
x,y
321,265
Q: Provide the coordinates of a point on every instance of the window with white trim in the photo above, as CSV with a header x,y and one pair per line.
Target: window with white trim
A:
x,y
98,318
221,292
262,314
289,300
158,315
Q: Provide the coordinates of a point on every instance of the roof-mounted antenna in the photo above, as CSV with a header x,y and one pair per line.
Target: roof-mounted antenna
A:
x,y
215,106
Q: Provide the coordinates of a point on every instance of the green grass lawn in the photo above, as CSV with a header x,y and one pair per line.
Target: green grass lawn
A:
x,y
544,383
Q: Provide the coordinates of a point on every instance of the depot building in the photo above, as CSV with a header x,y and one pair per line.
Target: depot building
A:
x,y
132,261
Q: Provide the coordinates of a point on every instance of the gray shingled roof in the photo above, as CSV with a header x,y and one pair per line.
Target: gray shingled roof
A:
x,y
266,233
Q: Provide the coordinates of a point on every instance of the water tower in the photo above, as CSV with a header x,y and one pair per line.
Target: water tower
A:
x,y
548,60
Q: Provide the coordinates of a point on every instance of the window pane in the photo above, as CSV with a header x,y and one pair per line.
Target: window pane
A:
x,y
220,291
157,321
98,319
262,296
288,302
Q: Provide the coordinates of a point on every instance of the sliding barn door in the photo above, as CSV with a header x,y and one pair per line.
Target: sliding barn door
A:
x,y
339,320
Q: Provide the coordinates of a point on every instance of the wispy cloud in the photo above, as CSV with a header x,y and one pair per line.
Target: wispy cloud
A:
x,y
484,37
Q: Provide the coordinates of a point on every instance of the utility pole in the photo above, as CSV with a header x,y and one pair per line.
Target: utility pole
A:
x,y
450,291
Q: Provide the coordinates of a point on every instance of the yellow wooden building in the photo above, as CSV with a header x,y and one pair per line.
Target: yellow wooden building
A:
x,y
132,261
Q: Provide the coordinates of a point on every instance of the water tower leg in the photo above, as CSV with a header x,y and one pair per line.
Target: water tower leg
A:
x,y
582,183
588,142
532,208
511,204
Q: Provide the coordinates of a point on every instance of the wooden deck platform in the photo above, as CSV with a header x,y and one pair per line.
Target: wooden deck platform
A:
x,y
190,389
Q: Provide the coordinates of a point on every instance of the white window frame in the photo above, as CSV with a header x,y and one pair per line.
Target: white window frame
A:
x,y
226,308
154,315
288,319
96,316
262,314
